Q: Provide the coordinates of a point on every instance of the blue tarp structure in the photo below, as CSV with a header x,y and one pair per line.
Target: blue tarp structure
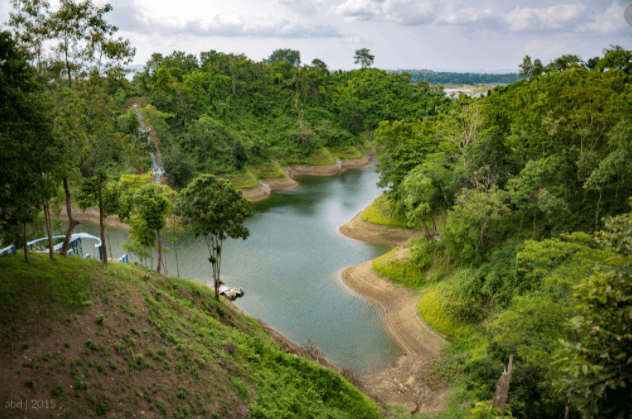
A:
x,y
74,247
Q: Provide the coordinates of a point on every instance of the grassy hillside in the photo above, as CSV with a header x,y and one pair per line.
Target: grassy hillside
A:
x,y
81,339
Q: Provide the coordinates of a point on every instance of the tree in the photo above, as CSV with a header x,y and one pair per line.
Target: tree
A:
x,y
598,365
27,159
417,191
215,210
536,189
291,55
319,65
363,57
526,68
154,206
83,45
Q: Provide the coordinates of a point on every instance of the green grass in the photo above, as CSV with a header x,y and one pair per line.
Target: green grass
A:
x,y
379,212
402,272
350,152
266,171
465,336
194,347
243,179
318,158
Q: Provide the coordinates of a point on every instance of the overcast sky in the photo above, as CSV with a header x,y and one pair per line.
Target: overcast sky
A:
x,y
402,34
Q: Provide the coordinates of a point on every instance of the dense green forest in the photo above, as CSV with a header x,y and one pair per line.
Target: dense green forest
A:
x,y
268,112
526,188
444,77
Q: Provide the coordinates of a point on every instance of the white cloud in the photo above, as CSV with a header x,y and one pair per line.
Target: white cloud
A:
x,y
557,16
404,12
136,18
360,9
611,20
553,17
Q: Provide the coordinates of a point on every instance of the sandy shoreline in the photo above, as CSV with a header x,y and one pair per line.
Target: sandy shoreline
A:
x,y
403,384
91,215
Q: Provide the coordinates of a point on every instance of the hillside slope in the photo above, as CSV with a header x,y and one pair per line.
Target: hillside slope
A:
x,y
80,339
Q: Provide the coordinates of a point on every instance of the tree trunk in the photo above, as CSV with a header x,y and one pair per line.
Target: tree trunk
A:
x,y
109,245
598,203
521,220
425,227
104,251
483,224
158,265
175,248
534,215
502,389
434,226
72,223
26,247
49,231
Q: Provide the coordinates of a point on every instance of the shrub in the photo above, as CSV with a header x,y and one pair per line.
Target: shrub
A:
x,y
91,345
58,390
103,406
101,319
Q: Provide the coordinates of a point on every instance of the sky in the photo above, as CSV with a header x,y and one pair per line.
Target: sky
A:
x,y
440,35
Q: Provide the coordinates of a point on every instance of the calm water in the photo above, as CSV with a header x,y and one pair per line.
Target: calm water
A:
x,y
290,268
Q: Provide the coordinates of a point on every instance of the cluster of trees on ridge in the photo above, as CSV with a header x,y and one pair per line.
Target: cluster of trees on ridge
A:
x,y
527,187
444,77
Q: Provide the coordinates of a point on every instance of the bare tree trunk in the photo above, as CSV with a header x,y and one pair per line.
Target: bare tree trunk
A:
x,y
159,252
26,247
107,233
502,389
104,251
598,203
424,225
72,223
49,231
175,248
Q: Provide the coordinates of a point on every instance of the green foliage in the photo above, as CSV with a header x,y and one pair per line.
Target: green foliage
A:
x,y
214,210
486,410
443,78
403,272
363,57
379,212
598,366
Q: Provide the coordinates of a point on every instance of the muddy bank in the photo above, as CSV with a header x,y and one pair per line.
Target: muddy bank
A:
x,y
91,216
403,384
377,234
262,192
330,169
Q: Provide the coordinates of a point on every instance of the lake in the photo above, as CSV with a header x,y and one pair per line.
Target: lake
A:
x,y
290,268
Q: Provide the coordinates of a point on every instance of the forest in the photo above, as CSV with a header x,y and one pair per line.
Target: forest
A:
x,y
444,77
523,195
524,200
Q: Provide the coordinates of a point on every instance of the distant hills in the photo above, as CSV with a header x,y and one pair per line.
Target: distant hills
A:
x,y
433,77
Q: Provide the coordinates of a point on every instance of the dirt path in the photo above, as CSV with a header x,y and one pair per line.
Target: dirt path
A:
x,y
403,384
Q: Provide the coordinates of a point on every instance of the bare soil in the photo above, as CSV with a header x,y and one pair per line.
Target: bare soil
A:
x,y
403,384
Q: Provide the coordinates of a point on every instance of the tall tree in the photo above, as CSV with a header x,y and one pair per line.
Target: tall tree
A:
x,y
84,44
362,56
214,210
291,55
27,158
